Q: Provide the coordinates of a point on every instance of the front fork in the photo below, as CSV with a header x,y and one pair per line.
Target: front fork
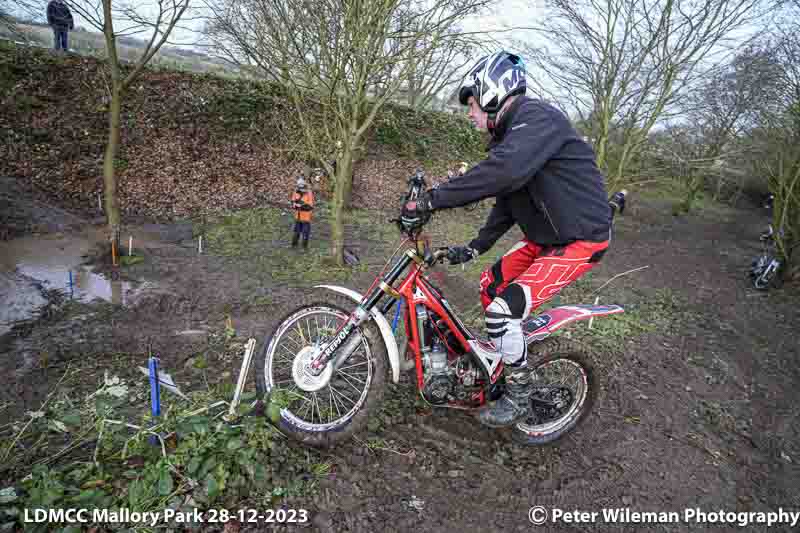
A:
x,y
344,341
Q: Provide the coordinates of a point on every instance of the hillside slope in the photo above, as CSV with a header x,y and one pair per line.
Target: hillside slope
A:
x,y
191,142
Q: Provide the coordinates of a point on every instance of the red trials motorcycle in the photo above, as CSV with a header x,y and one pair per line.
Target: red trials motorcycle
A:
x,y
323,368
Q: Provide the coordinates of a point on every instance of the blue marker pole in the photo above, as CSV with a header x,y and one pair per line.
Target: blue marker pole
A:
x,y
155,394
70,284
397,314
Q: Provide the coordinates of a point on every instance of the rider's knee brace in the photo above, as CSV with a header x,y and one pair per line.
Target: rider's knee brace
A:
x,y
504,317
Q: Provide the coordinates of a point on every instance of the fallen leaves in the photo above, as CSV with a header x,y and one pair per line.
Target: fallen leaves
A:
x,y
189,144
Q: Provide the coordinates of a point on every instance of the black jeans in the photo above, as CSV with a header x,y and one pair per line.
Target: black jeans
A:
x,y
303,228
60,39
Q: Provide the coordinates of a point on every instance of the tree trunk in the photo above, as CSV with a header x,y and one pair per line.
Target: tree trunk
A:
x,y
342,187
617,181
600,149
347,187
412,90
693,190
109,178
345,174
599,130
718,190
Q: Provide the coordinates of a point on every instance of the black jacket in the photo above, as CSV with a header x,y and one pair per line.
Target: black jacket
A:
x,y
59,16
544,177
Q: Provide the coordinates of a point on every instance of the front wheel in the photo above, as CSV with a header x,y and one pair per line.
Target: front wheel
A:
x,y
564,391
322,410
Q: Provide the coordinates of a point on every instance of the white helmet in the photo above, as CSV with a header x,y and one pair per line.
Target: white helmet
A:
x,y
492,80
301,183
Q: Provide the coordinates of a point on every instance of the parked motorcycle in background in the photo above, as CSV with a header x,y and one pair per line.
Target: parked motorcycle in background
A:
x,y
765,270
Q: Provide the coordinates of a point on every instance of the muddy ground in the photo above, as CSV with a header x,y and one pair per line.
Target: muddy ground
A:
x,y
699,406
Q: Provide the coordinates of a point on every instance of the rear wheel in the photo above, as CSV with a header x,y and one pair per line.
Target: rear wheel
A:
x,y
320,410
564,391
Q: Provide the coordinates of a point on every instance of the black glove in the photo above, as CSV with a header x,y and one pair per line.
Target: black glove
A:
x,y
618,201
416,212
461,254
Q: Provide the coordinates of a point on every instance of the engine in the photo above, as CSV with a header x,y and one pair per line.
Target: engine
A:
x,y
445,380
440,379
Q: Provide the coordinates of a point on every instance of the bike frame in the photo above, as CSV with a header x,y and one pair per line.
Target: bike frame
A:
x,y
417,290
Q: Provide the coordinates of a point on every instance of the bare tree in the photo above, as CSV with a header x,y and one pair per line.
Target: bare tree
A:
x,y
156,20
776,142
725,103
719,110
13,10
622,63
437,70
341,62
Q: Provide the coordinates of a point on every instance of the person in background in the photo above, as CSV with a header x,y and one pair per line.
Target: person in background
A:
x,y
303,207
59,18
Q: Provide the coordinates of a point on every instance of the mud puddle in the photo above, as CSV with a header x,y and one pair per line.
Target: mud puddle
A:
x,y
32,265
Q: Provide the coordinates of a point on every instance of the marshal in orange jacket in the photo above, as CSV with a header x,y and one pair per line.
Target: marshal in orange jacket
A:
x,y
303,205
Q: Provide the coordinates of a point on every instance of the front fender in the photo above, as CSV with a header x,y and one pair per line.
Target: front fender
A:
x,y
383,326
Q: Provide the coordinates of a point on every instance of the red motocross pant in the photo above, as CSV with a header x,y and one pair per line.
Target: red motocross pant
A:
x,y
522,280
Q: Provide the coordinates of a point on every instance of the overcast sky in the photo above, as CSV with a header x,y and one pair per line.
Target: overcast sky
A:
x,y
503,15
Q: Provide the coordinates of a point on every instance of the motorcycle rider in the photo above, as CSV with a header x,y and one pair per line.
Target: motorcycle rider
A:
x,y
545,179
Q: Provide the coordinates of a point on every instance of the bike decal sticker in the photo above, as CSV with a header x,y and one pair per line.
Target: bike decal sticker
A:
x,y
537,323
334,345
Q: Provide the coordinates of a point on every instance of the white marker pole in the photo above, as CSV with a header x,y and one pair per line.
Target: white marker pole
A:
x,y
130,245
237,395
99,203
200,245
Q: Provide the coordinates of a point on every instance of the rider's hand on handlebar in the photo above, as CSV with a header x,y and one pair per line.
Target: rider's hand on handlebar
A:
x,y
461,254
